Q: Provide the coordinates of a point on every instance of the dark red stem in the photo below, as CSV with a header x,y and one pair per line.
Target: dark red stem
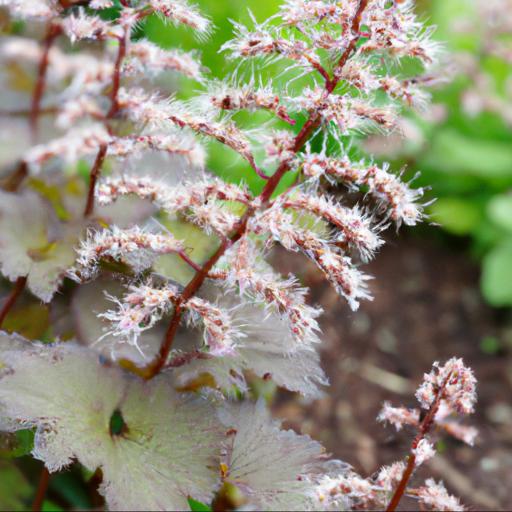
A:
x,y
114,108
19,285
116,78
183,359
51,34
356,35
423,430
42,487
95,173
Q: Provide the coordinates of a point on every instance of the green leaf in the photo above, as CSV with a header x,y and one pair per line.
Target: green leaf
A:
x,y
17,444
117,424
25,439
53,194
197,506
30,320
496,279
453,152
50,506
490,345
15,491
69,486
458,216
500,211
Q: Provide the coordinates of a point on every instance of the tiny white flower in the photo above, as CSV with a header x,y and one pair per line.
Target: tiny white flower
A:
x,y
423,452
435,496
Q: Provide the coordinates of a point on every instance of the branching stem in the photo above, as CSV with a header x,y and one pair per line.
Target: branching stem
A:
x,y
114,108
18,288
52,33
95,173
270,187
42,487
423,430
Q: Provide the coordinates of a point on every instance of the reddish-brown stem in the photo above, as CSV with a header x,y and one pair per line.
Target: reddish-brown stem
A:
x,y
51,34
66,4
356,35
316,65
95,172
116,78
15,179
270,187
185,257
18,288
256,169
184,359
42,487
114,107
423,430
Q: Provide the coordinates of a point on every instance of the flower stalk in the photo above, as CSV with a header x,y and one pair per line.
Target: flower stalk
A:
x,y
423,430
52,33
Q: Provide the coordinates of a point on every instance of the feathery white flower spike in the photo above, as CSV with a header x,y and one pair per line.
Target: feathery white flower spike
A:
x,y
256,281
395,198
354,228
220,334
138,311
135,247
347,491
179,11
247,97
389,476
146,57
101,4
172,199
458,385
90,306
435,496
423,452
173,144
399,416
78,142
200,201
337,268
154,449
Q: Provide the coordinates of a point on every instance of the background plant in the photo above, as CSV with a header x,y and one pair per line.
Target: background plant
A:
x,y
463,149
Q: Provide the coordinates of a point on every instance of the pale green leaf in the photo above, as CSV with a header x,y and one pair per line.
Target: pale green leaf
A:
x,y
165,451
500,211
456,215
497,276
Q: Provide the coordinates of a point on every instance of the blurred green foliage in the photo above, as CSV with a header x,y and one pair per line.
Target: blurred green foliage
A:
x,y
14,487
197,506
467,160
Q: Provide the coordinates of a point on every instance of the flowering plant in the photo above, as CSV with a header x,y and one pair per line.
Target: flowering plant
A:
x,y
174,299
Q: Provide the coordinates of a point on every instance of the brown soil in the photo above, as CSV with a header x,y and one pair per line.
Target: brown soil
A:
x,y
427,307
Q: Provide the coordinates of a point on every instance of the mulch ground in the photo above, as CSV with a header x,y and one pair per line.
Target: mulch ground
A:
x,y
427,307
